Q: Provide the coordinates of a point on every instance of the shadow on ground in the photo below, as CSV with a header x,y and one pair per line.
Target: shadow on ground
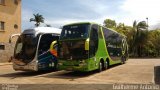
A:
x,y
52,74
157,74
25,74
70,74
74,74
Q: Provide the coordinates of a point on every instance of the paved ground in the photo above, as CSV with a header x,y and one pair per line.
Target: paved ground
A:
x,y
135,71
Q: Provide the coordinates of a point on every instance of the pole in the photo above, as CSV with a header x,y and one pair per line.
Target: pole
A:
x,y
147,23
147,35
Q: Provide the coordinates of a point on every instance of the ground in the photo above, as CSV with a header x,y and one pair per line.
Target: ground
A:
x,y
135,71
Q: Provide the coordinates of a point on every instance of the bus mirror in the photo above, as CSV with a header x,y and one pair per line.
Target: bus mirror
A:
x,y
87,44
13,35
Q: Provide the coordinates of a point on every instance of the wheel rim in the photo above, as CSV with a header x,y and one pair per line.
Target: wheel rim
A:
x,y
106,66
100,66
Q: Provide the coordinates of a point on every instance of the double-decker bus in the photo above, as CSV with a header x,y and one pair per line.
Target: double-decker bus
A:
x,y
88,46
32,49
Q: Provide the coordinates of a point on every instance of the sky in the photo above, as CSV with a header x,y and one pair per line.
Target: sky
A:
x,y
60,12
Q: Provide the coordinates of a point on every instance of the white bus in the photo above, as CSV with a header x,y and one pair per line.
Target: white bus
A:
x,y
31,52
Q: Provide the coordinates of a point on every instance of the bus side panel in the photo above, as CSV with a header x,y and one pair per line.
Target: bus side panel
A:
x,y
100,53
111,61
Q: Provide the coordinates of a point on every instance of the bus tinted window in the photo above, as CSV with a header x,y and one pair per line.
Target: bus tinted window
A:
x,y
75,31
113,43
26,47
45,43
93,40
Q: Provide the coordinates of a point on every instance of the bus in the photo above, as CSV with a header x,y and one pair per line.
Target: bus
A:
x,y
32,49
88,46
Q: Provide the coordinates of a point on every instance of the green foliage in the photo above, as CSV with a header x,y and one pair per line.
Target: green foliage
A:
x,y
110,23
140,37
38,19
141,41
154,42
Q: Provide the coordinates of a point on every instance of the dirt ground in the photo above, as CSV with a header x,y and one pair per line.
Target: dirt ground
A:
x,y
135,71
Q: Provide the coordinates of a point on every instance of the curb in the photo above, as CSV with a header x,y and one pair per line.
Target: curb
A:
x,y
3,64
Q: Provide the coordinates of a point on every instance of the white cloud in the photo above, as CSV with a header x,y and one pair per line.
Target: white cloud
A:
x,y
26,14
140,9
95,5
125,11
60,22
101,8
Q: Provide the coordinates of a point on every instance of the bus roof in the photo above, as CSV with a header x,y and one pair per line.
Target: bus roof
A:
x,y
81,23
42,30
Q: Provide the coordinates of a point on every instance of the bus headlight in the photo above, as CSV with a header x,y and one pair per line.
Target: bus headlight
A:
x,y
82,63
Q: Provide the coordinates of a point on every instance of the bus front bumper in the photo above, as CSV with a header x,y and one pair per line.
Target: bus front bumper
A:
x,y
81,67
28,67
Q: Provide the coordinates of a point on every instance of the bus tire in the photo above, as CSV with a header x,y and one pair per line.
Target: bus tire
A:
x,y
106,65
100,66
123,59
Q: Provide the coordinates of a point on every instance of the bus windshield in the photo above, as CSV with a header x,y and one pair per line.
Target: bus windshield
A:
x,y
75,31
25,48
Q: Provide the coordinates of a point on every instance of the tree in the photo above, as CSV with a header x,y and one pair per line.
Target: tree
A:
x,y
141,41
109,23
38,19
154,42
140,37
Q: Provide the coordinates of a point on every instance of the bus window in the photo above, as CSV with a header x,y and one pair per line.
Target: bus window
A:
x,y
25,48
45,43
113,43
93,40
75,31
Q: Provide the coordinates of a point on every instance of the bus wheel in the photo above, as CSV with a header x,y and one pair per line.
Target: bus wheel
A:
x,y
106,65
100,67
123,59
